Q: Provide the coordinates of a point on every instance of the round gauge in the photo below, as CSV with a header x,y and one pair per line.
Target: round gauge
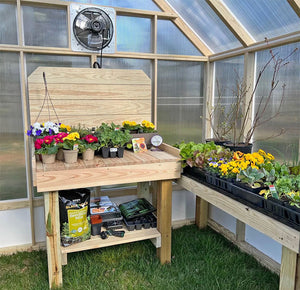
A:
x,y
156,140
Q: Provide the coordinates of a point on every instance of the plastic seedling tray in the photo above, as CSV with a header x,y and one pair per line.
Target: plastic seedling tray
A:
x,y
136,208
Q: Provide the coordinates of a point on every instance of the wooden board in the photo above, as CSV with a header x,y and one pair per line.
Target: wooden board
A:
x,y
96,242
288,237
89,96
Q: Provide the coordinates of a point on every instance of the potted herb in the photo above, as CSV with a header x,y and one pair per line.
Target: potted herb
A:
x,y
104,133
70,146
118,140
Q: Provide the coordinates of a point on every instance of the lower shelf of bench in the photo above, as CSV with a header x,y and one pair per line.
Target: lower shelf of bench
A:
x,y
130,236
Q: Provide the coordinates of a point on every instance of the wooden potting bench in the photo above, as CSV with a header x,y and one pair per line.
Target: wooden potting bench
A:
x,y
90,97
288,237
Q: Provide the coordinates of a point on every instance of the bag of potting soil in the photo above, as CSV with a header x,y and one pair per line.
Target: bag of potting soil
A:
x,y
74,208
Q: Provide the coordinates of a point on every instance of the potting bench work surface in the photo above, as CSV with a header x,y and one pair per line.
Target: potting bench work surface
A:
x,y
288,237
158,166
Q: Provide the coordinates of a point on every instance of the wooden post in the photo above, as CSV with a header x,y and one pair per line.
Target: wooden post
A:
x,y
143,191
53,238
240,231
289,267
201,212
164,219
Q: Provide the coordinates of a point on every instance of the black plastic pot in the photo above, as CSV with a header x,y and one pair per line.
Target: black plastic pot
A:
x,y
113,152
105,152
247,187
247,196
195,173
242,147
120,152
95,229
217,142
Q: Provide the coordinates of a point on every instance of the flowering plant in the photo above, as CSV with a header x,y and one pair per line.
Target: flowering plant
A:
x,y
131,125
70,142
88,142
148,127
46,129
46,145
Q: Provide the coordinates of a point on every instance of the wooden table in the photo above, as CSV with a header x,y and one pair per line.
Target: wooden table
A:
x,y
158,166
289,238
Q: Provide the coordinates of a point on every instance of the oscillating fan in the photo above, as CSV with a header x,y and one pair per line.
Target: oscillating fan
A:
x,y
93,29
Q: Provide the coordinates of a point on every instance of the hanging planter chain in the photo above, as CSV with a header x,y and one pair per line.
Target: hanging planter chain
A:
x,y
47,99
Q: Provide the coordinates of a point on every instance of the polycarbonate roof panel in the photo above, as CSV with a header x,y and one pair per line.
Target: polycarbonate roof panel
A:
x,y
134,4
205,22
265,18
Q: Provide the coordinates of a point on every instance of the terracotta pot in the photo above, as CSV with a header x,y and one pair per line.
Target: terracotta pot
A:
x,y
70,156
60,154
88,155
48,158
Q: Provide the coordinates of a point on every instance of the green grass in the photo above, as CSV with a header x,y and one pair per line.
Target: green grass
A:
x,y
200,260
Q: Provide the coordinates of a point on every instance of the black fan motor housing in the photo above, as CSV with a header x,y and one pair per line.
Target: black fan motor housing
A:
x,y
93,28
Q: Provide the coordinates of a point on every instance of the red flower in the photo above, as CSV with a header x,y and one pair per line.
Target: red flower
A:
x,y
48,139
90,139
38,143
61,135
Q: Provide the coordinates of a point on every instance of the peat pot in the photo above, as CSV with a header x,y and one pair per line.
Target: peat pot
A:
x,y
70,156
88,154
48,158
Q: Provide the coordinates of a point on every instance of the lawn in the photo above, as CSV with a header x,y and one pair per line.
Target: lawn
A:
x,y
201,259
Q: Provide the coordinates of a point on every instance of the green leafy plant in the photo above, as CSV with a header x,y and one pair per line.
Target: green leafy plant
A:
x,y
252,176
120,137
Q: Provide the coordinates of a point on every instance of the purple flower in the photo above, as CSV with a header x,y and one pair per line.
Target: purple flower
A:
x,y
29,132
50,131
38,132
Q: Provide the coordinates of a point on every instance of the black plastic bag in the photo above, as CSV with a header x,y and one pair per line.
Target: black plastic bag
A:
x,y
74,208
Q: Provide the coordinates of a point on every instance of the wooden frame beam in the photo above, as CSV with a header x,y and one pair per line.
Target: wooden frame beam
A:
x,y
295,5
188,32
231,22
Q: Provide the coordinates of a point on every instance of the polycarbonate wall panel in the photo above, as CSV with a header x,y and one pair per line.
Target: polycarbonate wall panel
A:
x,y
206,24
170,40
8,24
12,165
228,73
35,60
286,146
265,19
128,63
134,34
180,101
45,26
144,5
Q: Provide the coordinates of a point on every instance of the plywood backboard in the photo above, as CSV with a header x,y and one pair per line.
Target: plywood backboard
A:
x,y
89,96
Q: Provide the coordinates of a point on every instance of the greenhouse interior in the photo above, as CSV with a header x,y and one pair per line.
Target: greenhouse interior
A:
x,y
204,97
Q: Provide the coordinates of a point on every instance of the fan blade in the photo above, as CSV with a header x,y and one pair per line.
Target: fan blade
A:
x,y
82,22
95,40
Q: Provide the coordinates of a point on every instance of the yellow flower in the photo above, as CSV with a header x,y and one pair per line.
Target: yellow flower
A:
x,y
235,170
262,152
72,136
270,156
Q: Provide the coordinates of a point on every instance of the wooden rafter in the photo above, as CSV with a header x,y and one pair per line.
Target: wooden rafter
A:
x,y
295,5
191,35
231,22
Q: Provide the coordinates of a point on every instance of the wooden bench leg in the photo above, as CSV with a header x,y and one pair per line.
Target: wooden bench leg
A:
x,y
240,230
53,238
289,272
201,212
164,219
